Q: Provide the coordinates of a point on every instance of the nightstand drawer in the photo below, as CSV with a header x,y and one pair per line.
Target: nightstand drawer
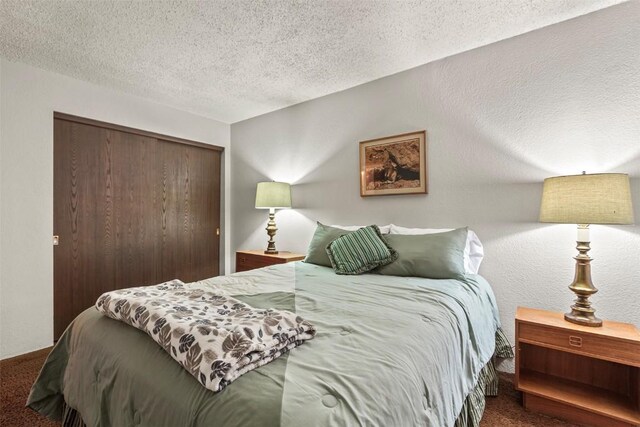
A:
x,y
244,262
579,342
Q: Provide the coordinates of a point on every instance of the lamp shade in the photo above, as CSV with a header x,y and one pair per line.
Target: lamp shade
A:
x,y
273,195
587,199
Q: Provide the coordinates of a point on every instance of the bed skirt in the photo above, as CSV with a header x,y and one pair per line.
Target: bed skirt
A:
x,y
487,385
472,409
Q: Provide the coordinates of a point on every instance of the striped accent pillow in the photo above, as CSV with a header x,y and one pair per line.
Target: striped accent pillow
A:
x,y
360,251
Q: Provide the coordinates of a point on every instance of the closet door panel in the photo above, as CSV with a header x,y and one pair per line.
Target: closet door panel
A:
x,y
189,211
104,214
76,156
215,166
171,169
205,211
127,220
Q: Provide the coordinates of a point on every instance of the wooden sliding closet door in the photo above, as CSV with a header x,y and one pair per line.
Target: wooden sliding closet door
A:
x,y
190,204
130,208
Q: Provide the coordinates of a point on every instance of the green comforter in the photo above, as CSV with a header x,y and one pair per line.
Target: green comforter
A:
x,y
390,351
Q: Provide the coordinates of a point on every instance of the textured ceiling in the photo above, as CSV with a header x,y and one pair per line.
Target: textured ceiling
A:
x,y
231,60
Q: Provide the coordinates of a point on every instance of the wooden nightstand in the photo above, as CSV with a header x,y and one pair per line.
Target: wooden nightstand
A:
x,y
248,260
586,375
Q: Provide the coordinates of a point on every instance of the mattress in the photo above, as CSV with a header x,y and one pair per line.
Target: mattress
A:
x,y
392,351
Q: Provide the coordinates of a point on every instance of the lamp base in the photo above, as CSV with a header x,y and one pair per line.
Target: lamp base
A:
x,y
581,311
271,231
584,319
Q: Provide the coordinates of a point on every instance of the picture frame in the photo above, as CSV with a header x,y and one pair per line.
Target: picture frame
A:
x,y
394,165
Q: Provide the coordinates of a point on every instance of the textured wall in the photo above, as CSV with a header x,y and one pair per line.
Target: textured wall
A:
x,y
499,119
28,97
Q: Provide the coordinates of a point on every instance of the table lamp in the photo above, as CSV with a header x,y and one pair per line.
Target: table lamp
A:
x,y
272,196
583,200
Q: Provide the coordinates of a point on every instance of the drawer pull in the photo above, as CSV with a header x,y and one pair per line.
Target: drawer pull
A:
x,y
575,341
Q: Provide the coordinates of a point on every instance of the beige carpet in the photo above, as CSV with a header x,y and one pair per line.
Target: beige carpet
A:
x,y
17,375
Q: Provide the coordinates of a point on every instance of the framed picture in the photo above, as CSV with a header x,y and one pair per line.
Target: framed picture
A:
x,y
394,165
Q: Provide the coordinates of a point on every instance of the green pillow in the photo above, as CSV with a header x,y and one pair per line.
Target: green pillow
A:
x,y
317,251
360,251
434,256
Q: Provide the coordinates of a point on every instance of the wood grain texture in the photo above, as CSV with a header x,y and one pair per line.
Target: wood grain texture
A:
x,y
579,342
127,221
130,210
584,370
609,329
584,374
125,129
190,212
575,415
76,156
252,259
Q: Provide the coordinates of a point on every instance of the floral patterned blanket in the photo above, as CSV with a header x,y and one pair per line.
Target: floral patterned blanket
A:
x,y
215,338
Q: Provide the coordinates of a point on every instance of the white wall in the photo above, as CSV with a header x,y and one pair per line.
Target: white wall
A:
x,y
499,119
28,98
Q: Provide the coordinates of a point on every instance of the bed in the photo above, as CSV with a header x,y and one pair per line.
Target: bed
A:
x,y
390,351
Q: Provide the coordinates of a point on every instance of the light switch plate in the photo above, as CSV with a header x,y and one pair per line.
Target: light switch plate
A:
x,y
56,240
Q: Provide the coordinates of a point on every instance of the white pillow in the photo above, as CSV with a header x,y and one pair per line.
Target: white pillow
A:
x,y
473,250
384,229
